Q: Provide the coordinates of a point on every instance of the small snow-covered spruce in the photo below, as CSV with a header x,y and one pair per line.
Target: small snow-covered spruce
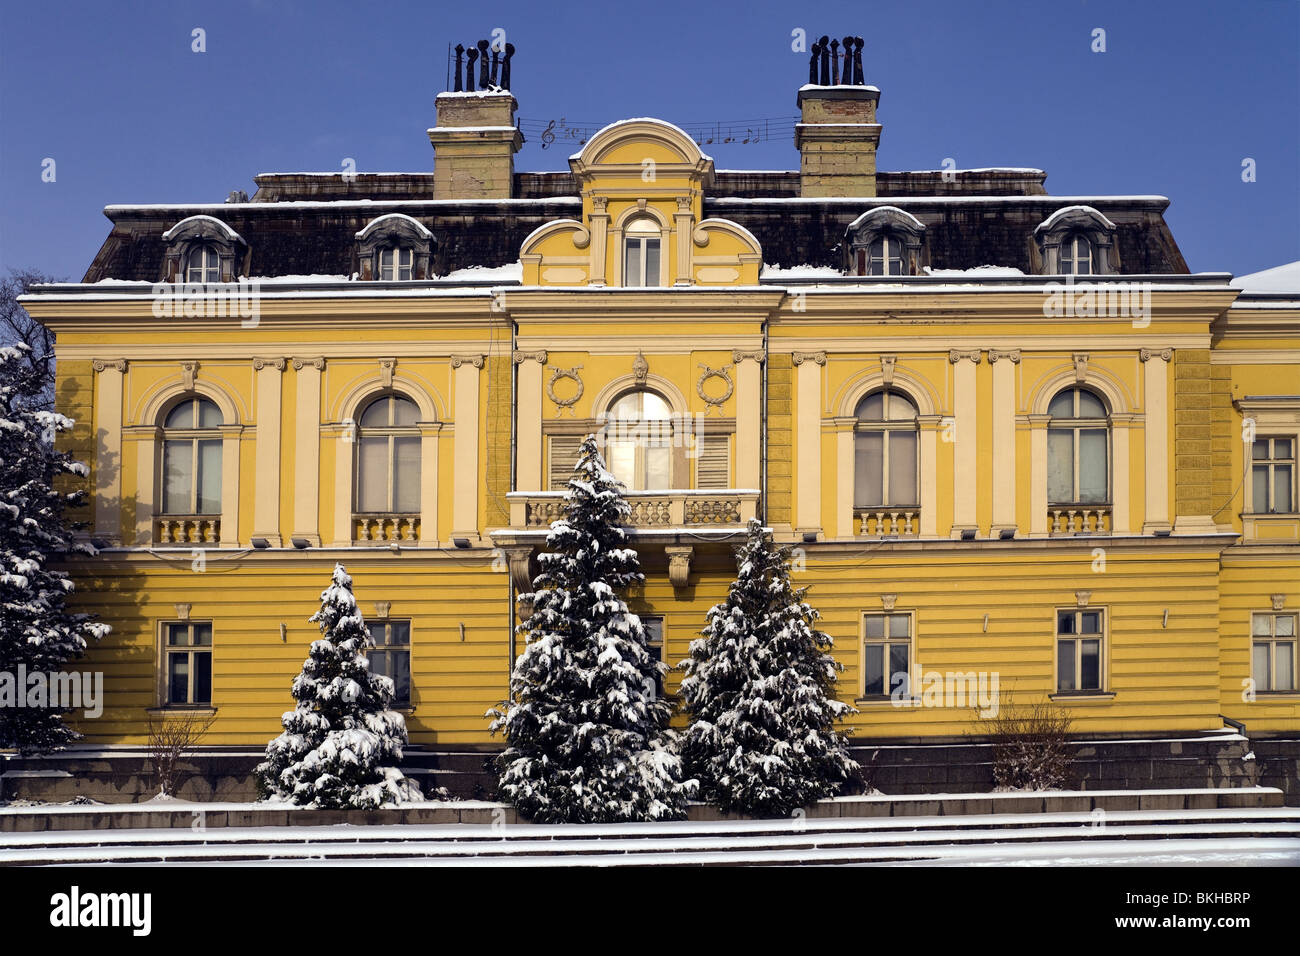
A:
x,y
759,693
37,629
341,742
587,738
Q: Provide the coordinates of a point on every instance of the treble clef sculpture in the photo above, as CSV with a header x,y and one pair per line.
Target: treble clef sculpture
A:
x,y
548,137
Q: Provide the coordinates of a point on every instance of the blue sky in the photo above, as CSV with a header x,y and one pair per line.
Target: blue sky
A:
x,y
1185,91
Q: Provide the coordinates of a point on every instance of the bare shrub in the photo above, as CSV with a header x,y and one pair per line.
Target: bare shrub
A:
x,y
173,738
1030,746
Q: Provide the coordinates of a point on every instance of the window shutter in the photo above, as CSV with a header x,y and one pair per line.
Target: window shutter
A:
x,y
562,457
712,464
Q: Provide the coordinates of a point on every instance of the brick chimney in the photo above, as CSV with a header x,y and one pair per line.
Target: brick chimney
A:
x,y
837,137
474,144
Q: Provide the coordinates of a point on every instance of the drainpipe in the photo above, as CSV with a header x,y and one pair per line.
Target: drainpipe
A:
x,y
514,451
762,428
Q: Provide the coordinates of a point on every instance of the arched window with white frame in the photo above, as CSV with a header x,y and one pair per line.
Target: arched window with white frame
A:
x,y
388,457
396,263
885,444
191,458
639,440
203,263
641,253
1076,255
1078,449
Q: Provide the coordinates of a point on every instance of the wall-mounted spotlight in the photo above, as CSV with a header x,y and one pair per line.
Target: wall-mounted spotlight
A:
x,y
1164,621
261,544
986,623
968,534
809,537
460,542
301,543
1007,533
284,632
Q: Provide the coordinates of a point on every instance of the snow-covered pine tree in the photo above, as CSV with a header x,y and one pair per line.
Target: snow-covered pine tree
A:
x,y
759,692
341,741
587,738
37,630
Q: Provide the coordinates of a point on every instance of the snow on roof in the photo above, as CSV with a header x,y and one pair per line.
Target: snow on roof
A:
x,y
879,211
989,271
1069,211
977,169
375,223
490,91
511,272
295,279
900,200
841,86
330,172
340,203
474,129
804,271
229,233
1283,278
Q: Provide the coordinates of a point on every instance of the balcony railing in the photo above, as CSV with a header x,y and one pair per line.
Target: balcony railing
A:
x,y
204,530
650,509
381,529
889,522
1078,519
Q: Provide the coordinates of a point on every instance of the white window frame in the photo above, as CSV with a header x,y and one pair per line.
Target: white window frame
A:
x,y
390,649
396,263
892,249
1076,425
661,643
1069,254
912,689
391,433
1077,638
1270,464
192,436
189,650
913,426
1292,642
640,240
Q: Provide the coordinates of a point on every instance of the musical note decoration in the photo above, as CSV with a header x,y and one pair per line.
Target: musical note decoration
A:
x,y
493,70
748,132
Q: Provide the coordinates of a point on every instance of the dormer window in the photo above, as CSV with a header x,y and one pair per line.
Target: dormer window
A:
x,y
885,241
1076,255
203,264
394,248
884,257
395,263
1076,241
641,253
203,249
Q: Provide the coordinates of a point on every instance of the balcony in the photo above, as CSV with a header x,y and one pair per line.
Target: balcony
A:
x,y
188,530
891,522
1065,520
651,510
385,529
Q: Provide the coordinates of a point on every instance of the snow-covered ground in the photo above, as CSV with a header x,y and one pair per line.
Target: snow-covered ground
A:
x,y
1224,837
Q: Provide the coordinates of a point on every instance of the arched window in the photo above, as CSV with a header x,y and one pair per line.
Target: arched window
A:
x,y
885,451
388,457
1078,449
191,458
1076,255
396,262
202,263
641,253
884,257
638,444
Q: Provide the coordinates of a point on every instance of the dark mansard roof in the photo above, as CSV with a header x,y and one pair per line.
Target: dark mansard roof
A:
x,y
306,223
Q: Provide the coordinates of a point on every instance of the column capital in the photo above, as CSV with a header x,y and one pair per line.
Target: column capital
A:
x,y
801,357
754,355
475,360
539,356
1013,355
261,363
956,355
100,364
1147,354
318,363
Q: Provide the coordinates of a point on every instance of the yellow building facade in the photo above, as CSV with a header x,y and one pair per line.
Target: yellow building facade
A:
x,y
1042,474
